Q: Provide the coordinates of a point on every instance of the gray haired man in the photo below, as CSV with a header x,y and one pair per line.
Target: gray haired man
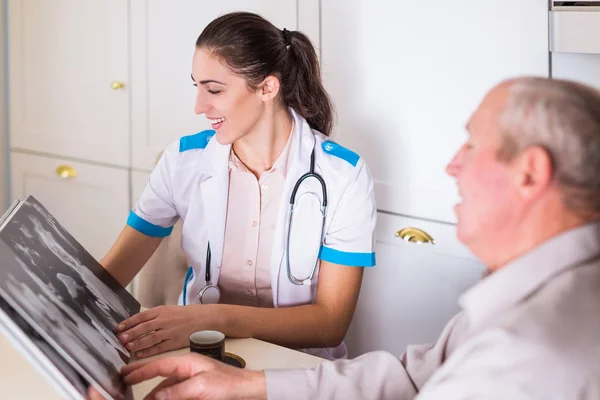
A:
x,y
529,179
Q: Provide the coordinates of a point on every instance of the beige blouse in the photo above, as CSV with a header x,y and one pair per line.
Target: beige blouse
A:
x,y
252,212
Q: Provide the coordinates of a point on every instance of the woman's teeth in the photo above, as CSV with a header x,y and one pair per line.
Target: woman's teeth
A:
x,y
216,121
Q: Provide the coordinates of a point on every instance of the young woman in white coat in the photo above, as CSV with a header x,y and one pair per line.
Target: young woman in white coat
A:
x,y
251,273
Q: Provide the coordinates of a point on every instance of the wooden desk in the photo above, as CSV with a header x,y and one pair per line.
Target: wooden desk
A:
x,y
20,380
257,354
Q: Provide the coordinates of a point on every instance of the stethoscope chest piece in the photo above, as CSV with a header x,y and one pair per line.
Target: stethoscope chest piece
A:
x,y
209,294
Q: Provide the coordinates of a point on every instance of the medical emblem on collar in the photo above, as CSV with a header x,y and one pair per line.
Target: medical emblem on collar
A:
x,y
198,141
341,152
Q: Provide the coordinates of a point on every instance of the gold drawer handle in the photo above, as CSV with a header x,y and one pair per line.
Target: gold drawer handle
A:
x,y
66,171
116,85
414,235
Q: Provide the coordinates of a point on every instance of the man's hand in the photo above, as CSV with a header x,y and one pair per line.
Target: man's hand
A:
x,y
198,377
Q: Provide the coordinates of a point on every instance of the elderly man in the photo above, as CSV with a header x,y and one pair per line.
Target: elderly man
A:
x,y
529,178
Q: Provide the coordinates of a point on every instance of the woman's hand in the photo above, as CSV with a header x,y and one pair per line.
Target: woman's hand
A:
x,y
162,328
198,377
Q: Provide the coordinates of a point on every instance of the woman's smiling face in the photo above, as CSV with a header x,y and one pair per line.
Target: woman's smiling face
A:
x,y
232,108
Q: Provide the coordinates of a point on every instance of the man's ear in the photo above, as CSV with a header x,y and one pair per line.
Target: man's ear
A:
x,y
269,88
534,171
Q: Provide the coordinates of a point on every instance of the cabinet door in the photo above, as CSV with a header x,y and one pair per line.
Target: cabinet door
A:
x,y
406,75
164,34
413,291
138,183
139,180
578,67
92,206
64,57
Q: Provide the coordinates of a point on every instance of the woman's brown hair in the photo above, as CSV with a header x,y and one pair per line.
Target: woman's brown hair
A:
x,y
254,48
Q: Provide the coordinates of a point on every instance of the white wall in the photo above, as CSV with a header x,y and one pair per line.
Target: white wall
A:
x,y
3,131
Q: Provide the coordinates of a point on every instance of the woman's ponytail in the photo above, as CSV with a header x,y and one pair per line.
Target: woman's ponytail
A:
x,y
303,88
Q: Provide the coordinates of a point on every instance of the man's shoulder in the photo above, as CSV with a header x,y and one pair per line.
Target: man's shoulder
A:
x,y
571,296
557,325
503,362
562,317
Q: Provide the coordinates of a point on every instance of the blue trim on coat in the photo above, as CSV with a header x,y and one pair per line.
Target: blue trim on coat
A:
x,y
189,274
339,151
147,228
347,258
197,141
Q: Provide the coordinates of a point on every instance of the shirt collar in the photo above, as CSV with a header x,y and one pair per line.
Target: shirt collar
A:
x,y
235,164
515,281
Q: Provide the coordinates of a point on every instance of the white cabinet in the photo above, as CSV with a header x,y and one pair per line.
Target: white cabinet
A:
x,y
575,28
75,68
138,180
163,37
405,76
138,183
64,57
413,291
579,67
574,32
92,206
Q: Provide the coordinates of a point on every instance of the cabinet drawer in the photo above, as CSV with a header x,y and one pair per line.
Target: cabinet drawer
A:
x,y
443,234
412,292
92,206
575,31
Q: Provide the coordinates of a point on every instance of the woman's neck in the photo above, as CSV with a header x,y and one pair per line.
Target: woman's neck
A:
x,y
260,148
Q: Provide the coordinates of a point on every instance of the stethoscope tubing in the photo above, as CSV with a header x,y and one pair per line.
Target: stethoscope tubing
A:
x,y
291,277
311,174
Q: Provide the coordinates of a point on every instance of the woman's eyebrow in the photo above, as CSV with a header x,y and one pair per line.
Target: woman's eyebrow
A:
x,y
204,82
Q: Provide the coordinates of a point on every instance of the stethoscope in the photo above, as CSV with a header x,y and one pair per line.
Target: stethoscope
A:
x,y
310,174
210,294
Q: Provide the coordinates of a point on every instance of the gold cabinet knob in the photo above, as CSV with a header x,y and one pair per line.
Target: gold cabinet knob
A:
x,y
66,171
116,85
414,235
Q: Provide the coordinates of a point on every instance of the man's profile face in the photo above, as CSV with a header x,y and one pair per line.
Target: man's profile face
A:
x,y
488,196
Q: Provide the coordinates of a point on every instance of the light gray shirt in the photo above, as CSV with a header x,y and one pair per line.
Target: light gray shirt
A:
x,y
530,330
